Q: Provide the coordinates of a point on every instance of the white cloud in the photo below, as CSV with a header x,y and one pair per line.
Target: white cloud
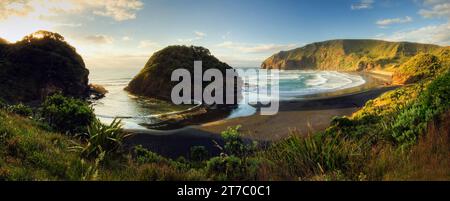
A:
x,y
119,10
437,8
390,21
147,44
363,4
100,39
126,38
198,36
255,48
435,34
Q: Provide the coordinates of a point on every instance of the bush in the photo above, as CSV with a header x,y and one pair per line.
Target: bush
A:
x,y
232,168
198,153
3,104
302,157
102,138
65,114
412,121
144,156
235,145
20,109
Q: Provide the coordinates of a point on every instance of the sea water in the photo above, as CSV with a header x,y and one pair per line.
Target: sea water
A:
x,y
136,111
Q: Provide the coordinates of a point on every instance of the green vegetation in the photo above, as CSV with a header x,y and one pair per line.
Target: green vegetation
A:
x,y
348,55
102,139
154,80
20,109
419,68
38,65
401,135
66,114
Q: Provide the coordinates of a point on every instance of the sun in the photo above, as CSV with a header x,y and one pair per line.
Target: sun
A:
x,y
15,28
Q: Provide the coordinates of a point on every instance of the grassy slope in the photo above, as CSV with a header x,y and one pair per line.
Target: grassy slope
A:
x,y
348,55
29,152
401,135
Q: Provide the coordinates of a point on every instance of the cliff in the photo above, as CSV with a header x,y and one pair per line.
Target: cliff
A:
x,y
348,55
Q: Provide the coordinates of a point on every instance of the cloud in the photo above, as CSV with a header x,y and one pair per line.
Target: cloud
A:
x,y
390,21
363,4
435,34
13,8
126,38
198,36
147,44
255,48
436,8
99,39
119,10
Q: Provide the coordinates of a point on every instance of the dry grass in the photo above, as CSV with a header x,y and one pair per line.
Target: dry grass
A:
x,y
429,159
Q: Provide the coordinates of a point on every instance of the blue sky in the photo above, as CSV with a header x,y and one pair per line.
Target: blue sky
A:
x,y
239,32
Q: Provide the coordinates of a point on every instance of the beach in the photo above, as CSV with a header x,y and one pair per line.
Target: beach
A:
x,y
302,116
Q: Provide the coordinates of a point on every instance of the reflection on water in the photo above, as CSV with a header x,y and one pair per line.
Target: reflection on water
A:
x,y
135,111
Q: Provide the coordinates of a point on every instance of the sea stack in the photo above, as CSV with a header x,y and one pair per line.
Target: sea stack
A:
x,y
154,80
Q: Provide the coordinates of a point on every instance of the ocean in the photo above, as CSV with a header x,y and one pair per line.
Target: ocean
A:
x,y
136,111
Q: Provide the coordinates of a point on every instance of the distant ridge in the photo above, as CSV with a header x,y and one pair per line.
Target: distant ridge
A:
x,y
3,41
348,55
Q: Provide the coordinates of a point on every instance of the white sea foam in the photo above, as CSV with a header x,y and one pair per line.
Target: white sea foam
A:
x,y
297,83
293,84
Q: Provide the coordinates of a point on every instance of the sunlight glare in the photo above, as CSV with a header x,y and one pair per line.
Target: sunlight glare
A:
x,y
15,28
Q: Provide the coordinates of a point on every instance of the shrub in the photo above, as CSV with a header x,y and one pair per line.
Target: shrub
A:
x,y
302,157
341,121
198,153
3,104
102,138
145,156
66,114
412,121
232,168
20,109
234,144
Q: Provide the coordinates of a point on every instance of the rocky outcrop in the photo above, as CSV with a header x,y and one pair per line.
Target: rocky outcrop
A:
x,y
41,64
154,80
348,55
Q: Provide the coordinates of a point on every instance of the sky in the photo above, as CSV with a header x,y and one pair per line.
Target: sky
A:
x,y
242,33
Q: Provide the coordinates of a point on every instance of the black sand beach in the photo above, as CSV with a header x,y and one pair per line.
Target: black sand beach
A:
x,y
304,116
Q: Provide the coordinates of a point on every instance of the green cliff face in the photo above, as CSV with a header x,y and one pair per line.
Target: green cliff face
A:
x,y
422,66
154,80
348,55
40,64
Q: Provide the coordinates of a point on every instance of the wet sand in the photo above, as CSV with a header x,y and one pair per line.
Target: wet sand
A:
x,y
305,116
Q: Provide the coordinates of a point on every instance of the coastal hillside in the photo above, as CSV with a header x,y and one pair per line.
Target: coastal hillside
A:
x,y
422,66
3,41
348,55
401,135
154,80
40,64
